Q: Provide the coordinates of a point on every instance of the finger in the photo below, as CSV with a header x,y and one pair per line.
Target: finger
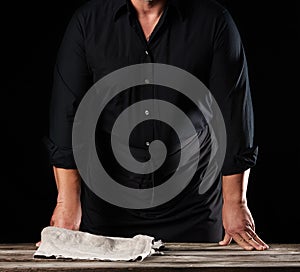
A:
x,y
226,240
241,242
253,226
256,238
38,244
250,240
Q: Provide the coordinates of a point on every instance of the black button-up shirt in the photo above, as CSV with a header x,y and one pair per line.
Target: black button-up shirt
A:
x,y
198,36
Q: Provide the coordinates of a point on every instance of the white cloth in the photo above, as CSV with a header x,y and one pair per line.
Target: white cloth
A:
x,y
63,243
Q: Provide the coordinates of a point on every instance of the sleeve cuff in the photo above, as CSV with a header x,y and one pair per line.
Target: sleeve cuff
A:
x,y
240,162
61,157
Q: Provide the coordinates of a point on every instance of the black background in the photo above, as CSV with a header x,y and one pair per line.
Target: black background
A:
x,y
31,33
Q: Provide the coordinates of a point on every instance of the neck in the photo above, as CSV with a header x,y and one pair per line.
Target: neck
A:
x,y
149,7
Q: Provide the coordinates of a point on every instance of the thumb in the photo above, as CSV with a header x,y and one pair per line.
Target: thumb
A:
x,y
226,240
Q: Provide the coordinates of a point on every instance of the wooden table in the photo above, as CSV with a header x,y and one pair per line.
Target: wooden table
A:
x,y
177,257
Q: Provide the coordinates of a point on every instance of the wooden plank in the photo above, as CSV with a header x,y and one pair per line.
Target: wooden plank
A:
x,y
177,257
210,247
284,258
17,246
177,246
232,253
104,266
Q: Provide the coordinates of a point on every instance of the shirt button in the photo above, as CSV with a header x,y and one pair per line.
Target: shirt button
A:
x,y
147,143
147,53
147,112
147,81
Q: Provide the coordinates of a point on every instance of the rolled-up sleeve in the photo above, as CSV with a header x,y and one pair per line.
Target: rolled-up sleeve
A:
x,y
229,83
71,80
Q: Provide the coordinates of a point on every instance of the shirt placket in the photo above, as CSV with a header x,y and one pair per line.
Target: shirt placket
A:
x,y
147,56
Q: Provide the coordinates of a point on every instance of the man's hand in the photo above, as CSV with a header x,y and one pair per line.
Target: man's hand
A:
x,y
237,219
67,213
239,226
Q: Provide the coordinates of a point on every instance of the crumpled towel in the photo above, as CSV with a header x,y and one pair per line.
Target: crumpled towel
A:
x,y
63,243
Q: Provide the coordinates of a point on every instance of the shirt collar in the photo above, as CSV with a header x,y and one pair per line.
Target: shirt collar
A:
x,y
121,6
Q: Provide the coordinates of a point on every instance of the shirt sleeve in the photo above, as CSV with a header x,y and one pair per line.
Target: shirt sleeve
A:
x,y
229,83
71,80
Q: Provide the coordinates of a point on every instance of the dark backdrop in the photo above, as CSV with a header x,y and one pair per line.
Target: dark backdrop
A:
x,y
31,34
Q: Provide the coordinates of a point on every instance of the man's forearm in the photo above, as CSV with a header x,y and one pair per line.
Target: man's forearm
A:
x,y
237,219
68,184
67,213
235,187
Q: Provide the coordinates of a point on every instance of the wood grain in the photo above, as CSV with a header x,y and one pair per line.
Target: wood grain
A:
x,y
177,257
